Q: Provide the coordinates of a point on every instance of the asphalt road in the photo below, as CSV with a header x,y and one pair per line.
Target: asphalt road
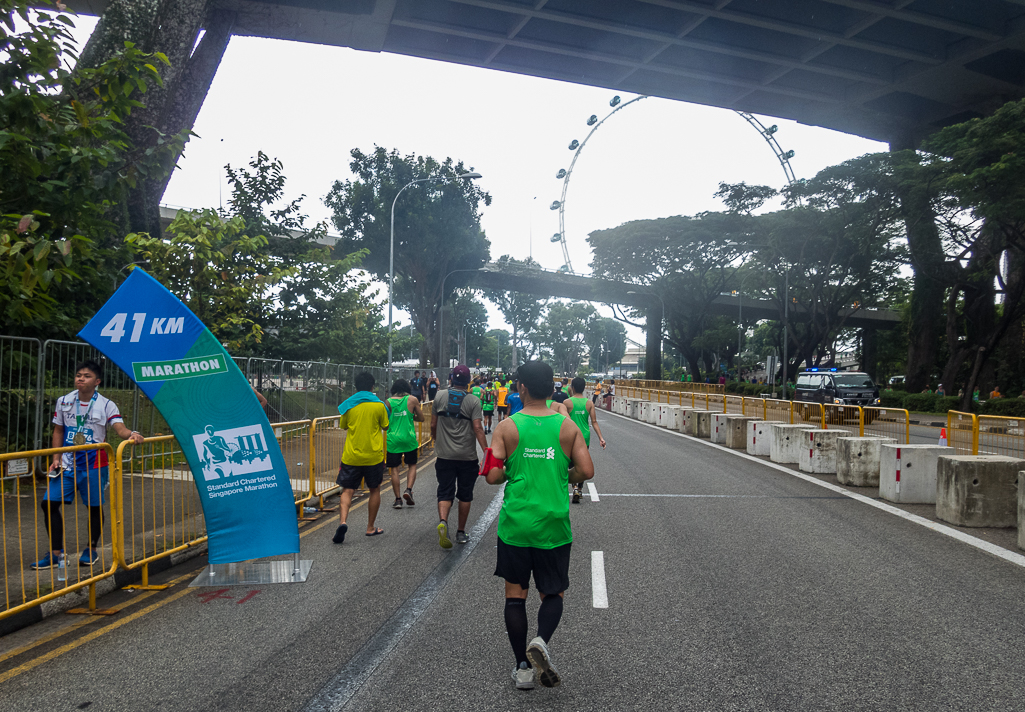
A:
x,y
731,585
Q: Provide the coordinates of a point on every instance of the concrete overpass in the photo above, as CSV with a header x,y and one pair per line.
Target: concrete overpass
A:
x,y
891,70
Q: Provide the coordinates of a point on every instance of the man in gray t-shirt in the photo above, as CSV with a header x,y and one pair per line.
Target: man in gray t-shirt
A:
x,y
455,443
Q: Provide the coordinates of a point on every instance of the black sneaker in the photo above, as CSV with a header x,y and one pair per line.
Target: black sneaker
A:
x,y
576,495
398,503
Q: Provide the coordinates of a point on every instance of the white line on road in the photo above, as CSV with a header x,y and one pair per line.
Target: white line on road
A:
x,y
592,492
998,551
722,496
599,595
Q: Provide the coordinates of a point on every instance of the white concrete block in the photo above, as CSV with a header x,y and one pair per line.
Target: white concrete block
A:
x,y
652,414
907,473
759,436
818,456
736,431
675,419
718,428
787,442
699,423
857,460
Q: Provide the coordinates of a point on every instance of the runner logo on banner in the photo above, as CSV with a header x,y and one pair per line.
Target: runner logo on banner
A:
x,y
235,459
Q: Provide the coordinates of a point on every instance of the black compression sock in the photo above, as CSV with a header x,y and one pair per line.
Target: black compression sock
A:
x,y
548,616
516,626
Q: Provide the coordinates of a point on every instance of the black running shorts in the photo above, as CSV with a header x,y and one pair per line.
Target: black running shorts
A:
x,y
394,459
503,410
550,567
350,476
450,473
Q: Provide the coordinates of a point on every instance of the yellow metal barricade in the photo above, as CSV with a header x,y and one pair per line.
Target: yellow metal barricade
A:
x,y
888,423
423,430
1001,435
849,418
780,410
755,407
734,404
327,441
963,432
30,535
810,413
158,509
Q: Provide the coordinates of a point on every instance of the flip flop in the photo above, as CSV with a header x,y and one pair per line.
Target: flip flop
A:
x,y
339,536
375,533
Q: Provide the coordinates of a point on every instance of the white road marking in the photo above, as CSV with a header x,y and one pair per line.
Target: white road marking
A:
x,y
592,492
997,551
599,594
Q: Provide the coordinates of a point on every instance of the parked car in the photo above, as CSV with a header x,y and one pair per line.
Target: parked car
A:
x,y
896,380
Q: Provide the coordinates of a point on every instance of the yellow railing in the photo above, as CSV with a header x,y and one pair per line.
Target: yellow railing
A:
x,y
888,423
1001,435
154,509
849,418
963,432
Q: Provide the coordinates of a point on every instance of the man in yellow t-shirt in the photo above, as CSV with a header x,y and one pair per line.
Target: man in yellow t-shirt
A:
x,y
364,418
501,407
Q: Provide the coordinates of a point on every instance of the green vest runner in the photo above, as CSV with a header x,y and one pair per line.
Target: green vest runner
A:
x,y
578,414
535,511
401,431
479,392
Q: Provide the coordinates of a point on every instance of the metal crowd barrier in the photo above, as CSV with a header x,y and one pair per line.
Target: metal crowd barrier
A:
x,y
888,423
27,536
1001,435
963,432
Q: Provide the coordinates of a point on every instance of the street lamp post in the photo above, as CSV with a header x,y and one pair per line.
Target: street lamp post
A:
x,y
786,307
391,256
441,312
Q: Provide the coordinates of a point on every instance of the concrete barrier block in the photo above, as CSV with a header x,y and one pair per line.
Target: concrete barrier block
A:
x,y
907,473
857,460
818,455
736,431
787,442
978,490
759,436
667,415
653,412
645,412
633,408
718,428
699,423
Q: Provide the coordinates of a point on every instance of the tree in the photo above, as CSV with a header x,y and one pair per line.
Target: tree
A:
x,y
606,343
437,228
521,311
465,326
67,161
560,335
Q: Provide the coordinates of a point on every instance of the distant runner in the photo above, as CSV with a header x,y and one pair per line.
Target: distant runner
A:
x,y
585,415
488,405
502,392
533,449
513,400
402,441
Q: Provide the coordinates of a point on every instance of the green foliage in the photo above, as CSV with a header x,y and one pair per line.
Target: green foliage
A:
x,y
560,335
437,227
1013,407
606,343
222,274
67,165
920,402
520,310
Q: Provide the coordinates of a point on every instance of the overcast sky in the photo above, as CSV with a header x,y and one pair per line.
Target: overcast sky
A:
x,y
310,105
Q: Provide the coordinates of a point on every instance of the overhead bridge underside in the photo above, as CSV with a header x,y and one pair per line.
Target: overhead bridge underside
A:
x,y
890,70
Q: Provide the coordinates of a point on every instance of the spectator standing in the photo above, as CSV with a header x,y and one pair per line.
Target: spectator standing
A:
x,y
433,384
457,430
80,418
404,410
533,450
995,393
365,422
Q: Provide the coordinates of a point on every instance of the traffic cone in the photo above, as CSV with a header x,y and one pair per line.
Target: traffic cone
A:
x,y
943,437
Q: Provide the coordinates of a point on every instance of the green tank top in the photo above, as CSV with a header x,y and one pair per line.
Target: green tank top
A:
x,y
535,511
479,392
401,431
578,414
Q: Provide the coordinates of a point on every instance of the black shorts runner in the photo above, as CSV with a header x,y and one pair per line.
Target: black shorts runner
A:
x,y
394,459
350,476
456,472
503,410
549,566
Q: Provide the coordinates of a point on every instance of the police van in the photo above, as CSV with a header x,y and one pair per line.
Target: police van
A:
x,y
832,386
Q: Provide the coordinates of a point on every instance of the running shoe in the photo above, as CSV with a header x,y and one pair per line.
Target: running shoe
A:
x,y
576,495
541,661
89,557
523,676
408,495
398,503
47,562
443,539
461,538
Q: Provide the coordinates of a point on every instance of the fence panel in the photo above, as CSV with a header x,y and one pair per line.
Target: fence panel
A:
x,y
21,412
158,501
888,423
849,418
1001,435
67,524
734,404
963,432
810,413
779,410
755,407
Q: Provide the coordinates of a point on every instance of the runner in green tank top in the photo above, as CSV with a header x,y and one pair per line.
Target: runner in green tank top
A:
x,y
585,415
402,441
531,451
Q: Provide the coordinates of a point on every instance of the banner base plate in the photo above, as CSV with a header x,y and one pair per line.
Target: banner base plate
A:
x,y
250,573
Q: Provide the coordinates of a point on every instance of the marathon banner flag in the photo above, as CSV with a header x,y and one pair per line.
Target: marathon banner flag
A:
x,y
235,459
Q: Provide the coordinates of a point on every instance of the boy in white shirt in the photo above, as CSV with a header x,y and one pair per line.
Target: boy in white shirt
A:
x,y
81,418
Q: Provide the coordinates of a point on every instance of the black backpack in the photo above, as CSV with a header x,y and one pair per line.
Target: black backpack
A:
x,y
454,407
